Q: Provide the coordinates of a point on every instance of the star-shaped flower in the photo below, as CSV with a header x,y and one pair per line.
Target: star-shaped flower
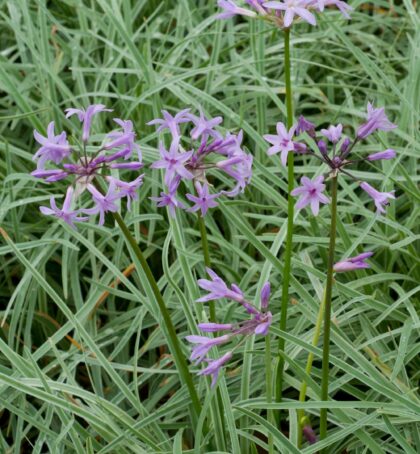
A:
x,y
282,142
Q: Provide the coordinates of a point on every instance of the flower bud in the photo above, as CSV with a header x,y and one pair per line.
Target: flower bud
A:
x,y
322,146
265,295
387,154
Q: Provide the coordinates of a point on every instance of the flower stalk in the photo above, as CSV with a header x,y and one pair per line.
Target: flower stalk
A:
x,y
206,257
180,361
303,387
328,300
290,215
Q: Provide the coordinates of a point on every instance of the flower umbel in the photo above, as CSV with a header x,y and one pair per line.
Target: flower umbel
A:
x,y
88,170
259,324
281,14
210,153
333,150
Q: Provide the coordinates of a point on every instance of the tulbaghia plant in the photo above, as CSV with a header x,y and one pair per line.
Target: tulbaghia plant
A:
x,y
196,156
88,167
258,324
336,151
281,14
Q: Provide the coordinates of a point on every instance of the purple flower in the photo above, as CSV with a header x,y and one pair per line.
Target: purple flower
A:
x,y
135,165
204,200
214,366
342,6
171,122
196,163
291,9
305,125
376,119
380,198
84,167
282,142
218,289
173,161
257,5
53,148
311,194
103,203
213,327
333,133
85,116
204,126
204,344
387,154
353,263
169,200
345,146
238,167
259,324
126,138
263,323
128,189
50,175
66,213
231,9
265,295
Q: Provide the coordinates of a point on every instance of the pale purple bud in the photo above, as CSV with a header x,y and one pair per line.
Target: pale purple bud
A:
x,y
265,295
300,148
345,145
58,177
127,165
72,167
305,125
353,263
119,154
45,173
387,154
322,146
213,327
230,162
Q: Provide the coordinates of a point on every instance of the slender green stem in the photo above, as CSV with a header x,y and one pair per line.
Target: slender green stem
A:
x,y
308,368
180,361
212,310
327,313
290,215
269,391
207,262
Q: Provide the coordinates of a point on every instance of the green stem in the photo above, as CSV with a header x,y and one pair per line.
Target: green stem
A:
x,y
308,368
269,391
290,215
212,310
207,262
327,313
180,361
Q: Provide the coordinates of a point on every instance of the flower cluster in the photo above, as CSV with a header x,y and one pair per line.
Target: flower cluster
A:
x,y
258,324
282,14
88,169
194,155
332,149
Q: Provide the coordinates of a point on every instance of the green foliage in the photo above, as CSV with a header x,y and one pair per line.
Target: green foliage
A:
x,y
84,363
